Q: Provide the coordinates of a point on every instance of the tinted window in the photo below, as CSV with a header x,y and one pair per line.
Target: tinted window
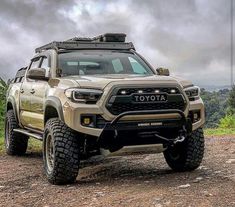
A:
x,y
35,63
101,62
117,65
136,66
44,63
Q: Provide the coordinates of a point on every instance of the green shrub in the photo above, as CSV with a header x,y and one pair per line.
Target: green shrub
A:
x,y
3,90
227,122
215,105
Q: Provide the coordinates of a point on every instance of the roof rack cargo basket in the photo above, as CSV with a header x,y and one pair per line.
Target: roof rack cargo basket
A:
x,y
115,41
108,37
111,37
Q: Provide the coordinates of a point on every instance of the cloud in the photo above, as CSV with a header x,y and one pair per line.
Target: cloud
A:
x,y
26,25
192,38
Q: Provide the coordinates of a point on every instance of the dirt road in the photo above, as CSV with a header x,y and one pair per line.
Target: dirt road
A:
x,y
143,180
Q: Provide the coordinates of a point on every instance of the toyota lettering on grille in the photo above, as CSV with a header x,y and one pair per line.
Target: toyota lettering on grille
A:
x,y
149,98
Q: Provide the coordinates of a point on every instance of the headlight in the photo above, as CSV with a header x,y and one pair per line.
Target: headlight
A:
x,y
193,92
82,95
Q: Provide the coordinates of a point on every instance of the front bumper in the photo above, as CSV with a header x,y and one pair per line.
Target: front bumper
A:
x,y
73,113
116,133
198,106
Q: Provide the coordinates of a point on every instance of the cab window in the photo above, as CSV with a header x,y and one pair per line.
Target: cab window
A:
x,y
117,65
44,63
35,63
136,66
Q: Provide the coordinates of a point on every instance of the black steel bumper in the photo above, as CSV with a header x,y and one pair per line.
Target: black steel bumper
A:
x,y
124,133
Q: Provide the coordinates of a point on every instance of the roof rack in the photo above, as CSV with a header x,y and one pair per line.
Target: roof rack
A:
x,y
115,41
19,75
21,72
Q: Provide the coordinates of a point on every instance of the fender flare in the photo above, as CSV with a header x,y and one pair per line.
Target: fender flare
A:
x,y
55,103
11,100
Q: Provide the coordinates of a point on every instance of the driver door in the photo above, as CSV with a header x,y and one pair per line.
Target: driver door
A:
x,y
26,94
39,88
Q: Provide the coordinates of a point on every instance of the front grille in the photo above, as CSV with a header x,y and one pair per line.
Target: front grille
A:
x,y
115,107
130,91
118,108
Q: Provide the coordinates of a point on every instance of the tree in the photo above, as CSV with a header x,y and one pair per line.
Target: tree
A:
x,y
216,103
231,102
3,90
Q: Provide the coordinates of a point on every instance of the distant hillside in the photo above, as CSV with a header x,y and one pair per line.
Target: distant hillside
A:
x,y
212,88
216,104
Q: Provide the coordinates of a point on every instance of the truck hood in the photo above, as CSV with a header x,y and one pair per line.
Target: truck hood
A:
x,y
101,81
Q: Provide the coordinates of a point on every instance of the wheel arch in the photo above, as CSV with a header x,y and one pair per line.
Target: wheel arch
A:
x,y
11,105
53,109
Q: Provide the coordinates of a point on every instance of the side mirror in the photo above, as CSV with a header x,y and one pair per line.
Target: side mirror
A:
x,y
163,71
37,74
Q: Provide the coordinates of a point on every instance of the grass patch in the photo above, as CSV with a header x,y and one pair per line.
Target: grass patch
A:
x,y
34,145
219,131
2,147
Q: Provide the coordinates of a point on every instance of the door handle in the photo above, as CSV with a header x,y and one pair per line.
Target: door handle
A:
x,y
32,91
21,90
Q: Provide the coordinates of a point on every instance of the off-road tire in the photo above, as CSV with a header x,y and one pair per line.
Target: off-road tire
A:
x,y
15,143
65,167
186,156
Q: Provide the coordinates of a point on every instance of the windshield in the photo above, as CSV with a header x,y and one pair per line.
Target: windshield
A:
x,y
101,62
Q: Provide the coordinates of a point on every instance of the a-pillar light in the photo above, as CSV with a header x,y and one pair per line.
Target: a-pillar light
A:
x,y
123,92
173,91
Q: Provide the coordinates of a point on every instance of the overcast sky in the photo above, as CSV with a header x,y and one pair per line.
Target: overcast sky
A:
x,y
190,37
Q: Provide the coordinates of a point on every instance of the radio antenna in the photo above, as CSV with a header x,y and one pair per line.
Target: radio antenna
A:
x,y
232,81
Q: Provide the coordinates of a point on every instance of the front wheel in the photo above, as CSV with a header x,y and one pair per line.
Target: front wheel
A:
x,y
60,153
186,156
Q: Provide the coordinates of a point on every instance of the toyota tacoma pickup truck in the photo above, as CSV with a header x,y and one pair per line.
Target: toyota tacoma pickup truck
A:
x,y
84,96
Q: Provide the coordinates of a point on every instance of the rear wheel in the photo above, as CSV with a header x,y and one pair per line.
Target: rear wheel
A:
x,y
186,156
60,152
15,143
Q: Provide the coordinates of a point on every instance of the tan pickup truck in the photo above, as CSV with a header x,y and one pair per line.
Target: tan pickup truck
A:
x,y
83,95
